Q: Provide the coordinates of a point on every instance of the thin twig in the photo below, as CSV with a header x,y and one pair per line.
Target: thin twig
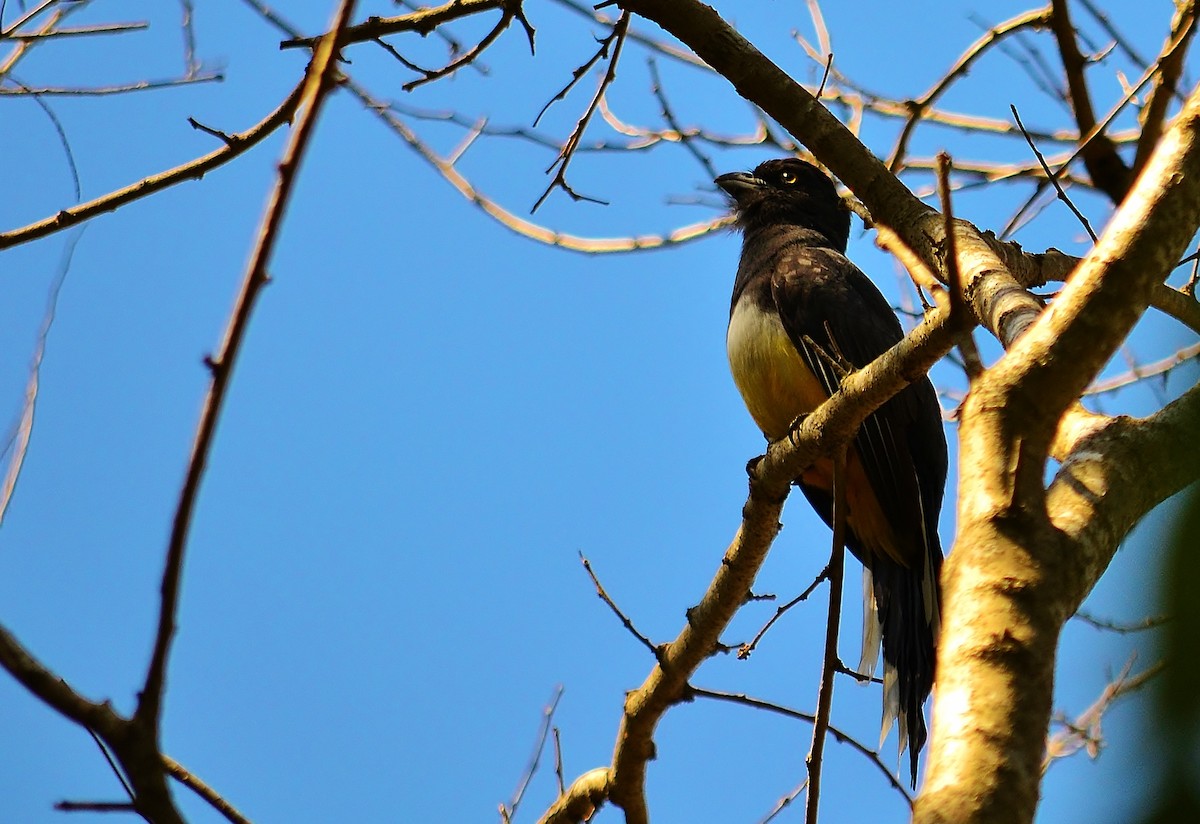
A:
x,y
1122,43
1149,622
191,65
511,11
28,16
558,762
17,445
511,221
1050,176
124,88
839,735
79,31
617,38
112,765
211,796
1085,731
508,811
604,596
784,802
960,312
422,21
745,649
95,807
829,668
660,94
1141,372
1035,18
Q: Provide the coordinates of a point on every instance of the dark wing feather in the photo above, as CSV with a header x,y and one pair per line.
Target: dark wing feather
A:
x,y
824,300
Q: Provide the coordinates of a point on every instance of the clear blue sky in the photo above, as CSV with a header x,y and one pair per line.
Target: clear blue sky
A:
x,y
432,417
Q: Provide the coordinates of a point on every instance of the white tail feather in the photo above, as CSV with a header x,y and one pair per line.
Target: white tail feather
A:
x,y
891,706
872,635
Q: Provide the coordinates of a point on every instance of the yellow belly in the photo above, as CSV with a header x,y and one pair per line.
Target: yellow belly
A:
x,y
775,383
777,387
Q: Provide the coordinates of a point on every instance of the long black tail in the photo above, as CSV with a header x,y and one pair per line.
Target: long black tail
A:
x,y
908,606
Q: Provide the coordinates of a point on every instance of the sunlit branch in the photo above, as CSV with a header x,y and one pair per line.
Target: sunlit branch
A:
x,y
917,108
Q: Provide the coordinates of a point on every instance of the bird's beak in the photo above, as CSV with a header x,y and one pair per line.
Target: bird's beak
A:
x,y
739,184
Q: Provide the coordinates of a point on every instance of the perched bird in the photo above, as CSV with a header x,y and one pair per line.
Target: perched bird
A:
x,y
799,310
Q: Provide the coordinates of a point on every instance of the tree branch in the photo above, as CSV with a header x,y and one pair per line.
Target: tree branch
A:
x,y
237,144
1024,560
1106,168
830,426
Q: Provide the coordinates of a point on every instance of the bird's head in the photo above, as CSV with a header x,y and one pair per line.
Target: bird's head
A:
x,y
788,191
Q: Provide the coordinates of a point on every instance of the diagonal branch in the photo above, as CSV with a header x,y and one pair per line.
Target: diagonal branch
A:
x,y
1154,114
831,425
1106,168
422,21
1025,557
1035,19
235,145
318,81
833,622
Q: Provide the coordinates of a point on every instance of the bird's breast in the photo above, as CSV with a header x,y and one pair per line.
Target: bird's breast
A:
x,y
775,383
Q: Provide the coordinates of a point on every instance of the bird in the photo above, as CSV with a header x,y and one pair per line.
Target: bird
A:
x,y
801,310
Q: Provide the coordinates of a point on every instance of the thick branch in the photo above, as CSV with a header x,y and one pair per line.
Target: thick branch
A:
x,y
999,301
1115,476
1113,285
1024,560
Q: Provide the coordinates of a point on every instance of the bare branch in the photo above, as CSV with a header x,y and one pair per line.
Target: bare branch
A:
x,y
1052,177
211,796
79,31
125,88
1149,622
1084,732
604,596
669,116
839,735
193,170
833,621
422,21
745,650
1036,18
17,444
1141,372
1154,115
616,39
512,11
1106,168
318,81
507,812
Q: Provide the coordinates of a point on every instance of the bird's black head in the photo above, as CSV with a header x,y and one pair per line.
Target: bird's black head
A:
x,y
790,192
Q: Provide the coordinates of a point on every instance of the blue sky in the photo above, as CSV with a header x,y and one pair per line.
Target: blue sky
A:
x,y
431,418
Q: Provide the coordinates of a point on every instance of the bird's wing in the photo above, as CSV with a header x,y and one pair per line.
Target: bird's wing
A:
x,y
837,319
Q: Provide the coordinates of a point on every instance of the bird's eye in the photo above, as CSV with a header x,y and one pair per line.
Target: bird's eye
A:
x,y
787,177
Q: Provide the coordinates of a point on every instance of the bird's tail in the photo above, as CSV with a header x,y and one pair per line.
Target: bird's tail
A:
x,y
906,605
